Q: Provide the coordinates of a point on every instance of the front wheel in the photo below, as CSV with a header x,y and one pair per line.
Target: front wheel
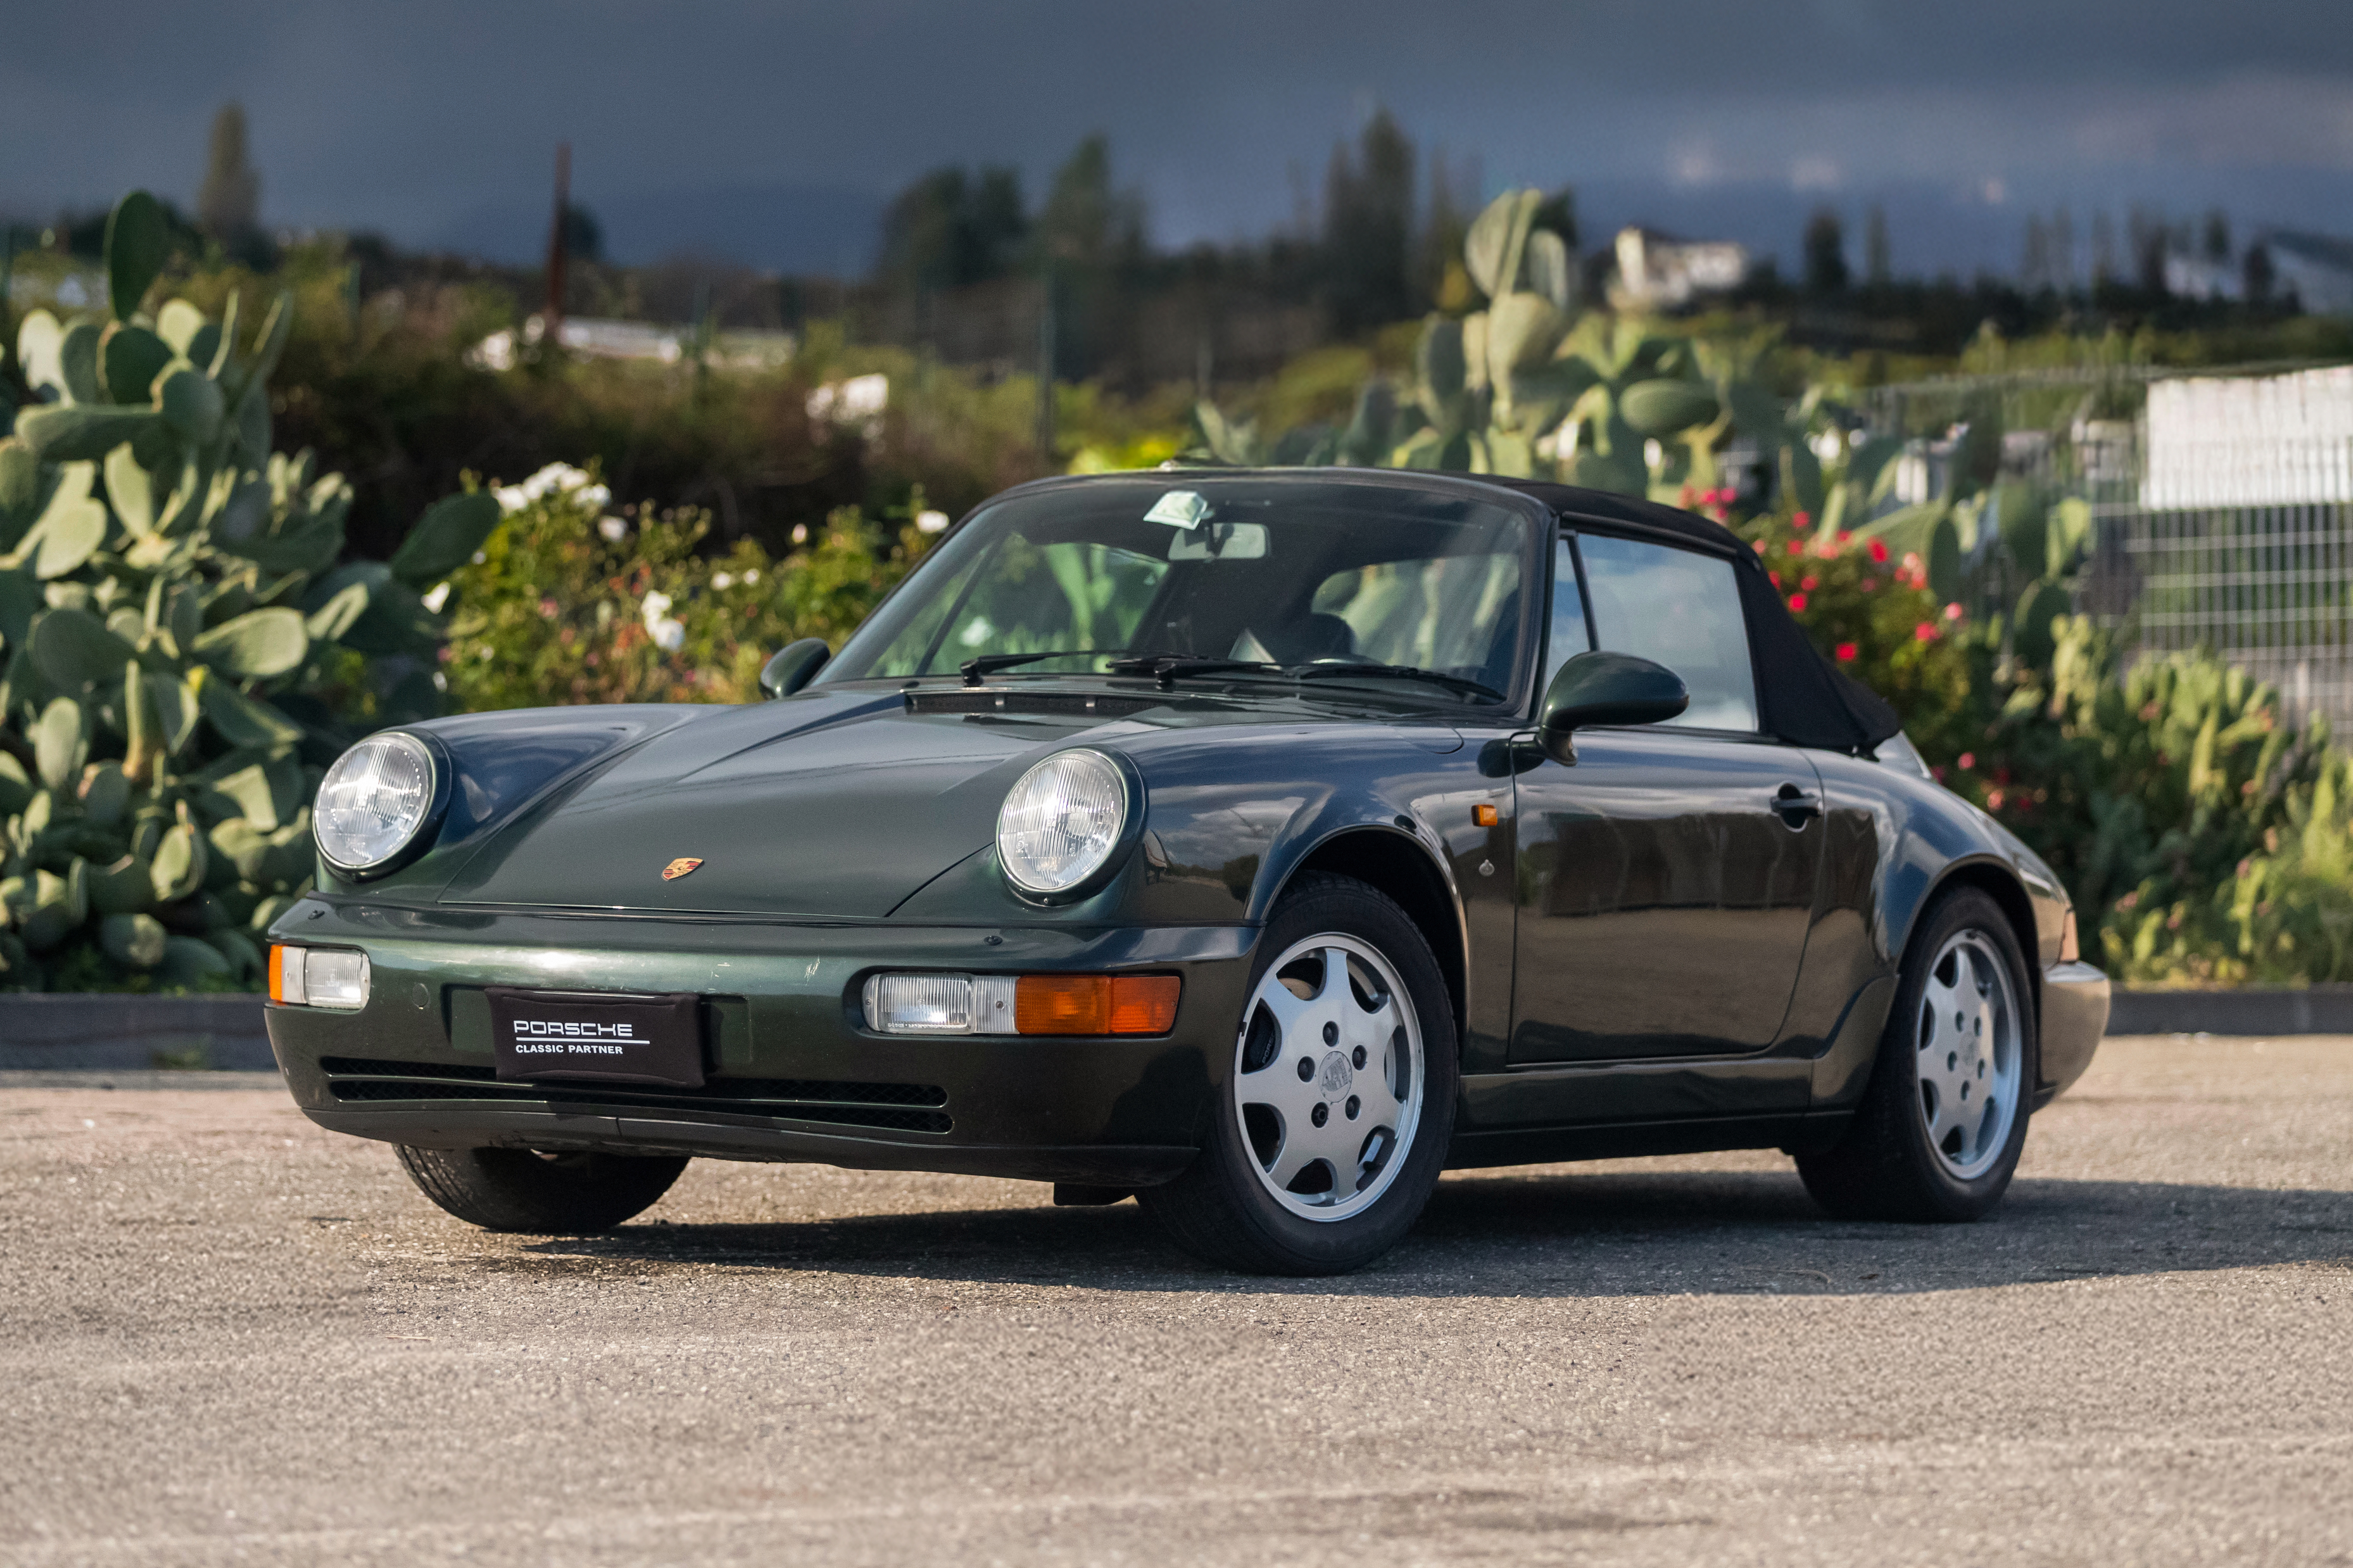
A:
x,y
542,1194
1943,1120
1332,1123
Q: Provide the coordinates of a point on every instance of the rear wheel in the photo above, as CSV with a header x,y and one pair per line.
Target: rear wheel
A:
x,y
1334,1117
1943,1122
546,1194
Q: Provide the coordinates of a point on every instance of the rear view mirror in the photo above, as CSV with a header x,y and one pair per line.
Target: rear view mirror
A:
x,y
1605,688
794,666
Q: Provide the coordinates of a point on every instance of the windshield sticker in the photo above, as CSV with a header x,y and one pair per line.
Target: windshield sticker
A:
x,y
1179,508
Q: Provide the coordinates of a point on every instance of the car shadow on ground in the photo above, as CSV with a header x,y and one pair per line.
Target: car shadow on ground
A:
x,y
1587,1233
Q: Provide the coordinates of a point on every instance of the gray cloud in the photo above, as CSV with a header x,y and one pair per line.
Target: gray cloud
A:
x,y
408,116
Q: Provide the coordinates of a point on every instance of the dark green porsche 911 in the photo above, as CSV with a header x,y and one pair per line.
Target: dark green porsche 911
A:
x,y
1259,843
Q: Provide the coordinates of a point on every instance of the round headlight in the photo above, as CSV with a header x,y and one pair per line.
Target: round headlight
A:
x,y
1062,822
373,801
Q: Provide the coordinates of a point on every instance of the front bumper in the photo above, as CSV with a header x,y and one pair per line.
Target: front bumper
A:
x,y
2075,1017
793,1072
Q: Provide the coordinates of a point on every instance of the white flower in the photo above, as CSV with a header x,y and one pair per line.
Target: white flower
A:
x,y
722,580
438,597
669,636
613,528
800,534
753,575
930,521
656,605
480,559
561,479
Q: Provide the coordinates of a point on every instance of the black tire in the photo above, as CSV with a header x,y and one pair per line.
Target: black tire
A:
x,y
1220,1210
544,1194
1886,1167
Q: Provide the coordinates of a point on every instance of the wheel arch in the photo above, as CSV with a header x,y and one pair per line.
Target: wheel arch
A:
x,y
2001,884
1401,867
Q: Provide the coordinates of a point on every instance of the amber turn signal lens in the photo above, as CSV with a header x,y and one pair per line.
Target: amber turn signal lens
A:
x,y
1483,816
277,972
1095,1003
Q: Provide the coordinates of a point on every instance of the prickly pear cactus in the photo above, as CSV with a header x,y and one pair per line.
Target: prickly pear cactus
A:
x,y
180,653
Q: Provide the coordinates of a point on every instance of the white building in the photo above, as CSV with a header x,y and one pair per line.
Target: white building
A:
x,y
1657,272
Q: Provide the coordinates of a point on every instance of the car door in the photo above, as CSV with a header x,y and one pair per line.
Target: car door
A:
x,y
1666,880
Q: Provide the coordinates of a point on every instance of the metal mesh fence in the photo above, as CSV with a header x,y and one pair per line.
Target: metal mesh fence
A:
x,y
2222,505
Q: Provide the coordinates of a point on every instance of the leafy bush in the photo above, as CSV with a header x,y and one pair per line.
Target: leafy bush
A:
x,y
183,655
572,601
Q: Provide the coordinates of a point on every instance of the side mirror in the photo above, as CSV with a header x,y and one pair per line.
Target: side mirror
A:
x,y
794,667
1605,688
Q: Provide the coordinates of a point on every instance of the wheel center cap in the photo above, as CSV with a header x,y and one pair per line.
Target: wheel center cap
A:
x,y
1336,1074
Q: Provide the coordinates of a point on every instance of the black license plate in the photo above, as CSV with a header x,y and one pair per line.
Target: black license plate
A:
x,y
600,1037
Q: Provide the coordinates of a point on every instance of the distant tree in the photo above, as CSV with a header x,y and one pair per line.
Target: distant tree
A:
x,y
2145,234
951,228
2104,249
2062,250
2034,265
1878,258
1089,243
2217,237
1825,250
2256,273
584,237
229,204
1453,200
1367,235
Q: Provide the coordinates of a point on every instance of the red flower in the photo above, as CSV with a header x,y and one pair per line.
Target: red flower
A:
x,y
1759,546
1803,519
1812,582
1952,612
1776,577
1868,583
1846,652
1797,602
1879,549
1968,759
1924,632
1844,536
1796,547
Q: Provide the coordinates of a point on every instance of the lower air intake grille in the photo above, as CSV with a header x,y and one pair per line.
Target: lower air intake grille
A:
x,y
894,1107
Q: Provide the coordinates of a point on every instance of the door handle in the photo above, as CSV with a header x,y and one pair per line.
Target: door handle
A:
x,y
1795,805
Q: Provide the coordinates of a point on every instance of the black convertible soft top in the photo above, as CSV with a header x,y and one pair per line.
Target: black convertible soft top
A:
x,y
1806,700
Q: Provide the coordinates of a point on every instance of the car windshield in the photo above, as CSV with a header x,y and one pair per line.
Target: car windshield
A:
x,y
1300,574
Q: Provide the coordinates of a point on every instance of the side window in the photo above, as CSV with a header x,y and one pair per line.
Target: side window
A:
x,y
1681,610
1569,635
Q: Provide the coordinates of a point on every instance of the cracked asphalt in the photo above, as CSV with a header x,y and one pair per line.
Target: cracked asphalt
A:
x,y
228,1337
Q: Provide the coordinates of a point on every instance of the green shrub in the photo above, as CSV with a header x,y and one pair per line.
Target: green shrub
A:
x,y
570,600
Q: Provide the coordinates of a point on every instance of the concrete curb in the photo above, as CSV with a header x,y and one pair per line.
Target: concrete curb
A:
x,y
74,1031
2311,1010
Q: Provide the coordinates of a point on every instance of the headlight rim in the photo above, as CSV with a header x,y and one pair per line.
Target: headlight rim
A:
x,y
428,826
1123,847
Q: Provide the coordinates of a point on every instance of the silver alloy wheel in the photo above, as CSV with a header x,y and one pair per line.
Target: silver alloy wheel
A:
x,y
1328,1075
1970,1058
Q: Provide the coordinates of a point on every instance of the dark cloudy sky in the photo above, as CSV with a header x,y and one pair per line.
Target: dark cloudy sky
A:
x,y
434,121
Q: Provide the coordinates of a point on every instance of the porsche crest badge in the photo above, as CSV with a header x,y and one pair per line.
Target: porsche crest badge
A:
x,y
678,868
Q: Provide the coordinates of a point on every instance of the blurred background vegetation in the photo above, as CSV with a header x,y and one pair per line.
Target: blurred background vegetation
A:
x,y
664,519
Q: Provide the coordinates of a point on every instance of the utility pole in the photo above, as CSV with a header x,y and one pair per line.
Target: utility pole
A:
x,y
552,317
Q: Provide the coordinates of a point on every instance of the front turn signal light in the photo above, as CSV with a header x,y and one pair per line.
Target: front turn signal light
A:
x,y
919,1004
317,978
2068,951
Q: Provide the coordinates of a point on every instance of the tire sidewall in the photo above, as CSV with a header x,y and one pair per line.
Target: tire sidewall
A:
x,y
1899,1065
1336,907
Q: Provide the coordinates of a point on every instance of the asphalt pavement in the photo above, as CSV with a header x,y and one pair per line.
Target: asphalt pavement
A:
x,y
228,1337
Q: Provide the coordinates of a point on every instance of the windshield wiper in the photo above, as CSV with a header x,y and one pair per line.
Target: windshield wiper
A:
x,y
1396,672
975,669
1164,667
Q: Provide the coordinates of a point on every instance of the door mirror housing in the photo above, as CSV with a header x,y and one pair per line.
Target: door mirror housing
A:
x,y
794,666
1605,688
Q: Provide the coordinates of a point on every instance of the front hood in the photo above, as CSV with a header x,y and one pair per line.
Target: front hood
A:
x,y
820,806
